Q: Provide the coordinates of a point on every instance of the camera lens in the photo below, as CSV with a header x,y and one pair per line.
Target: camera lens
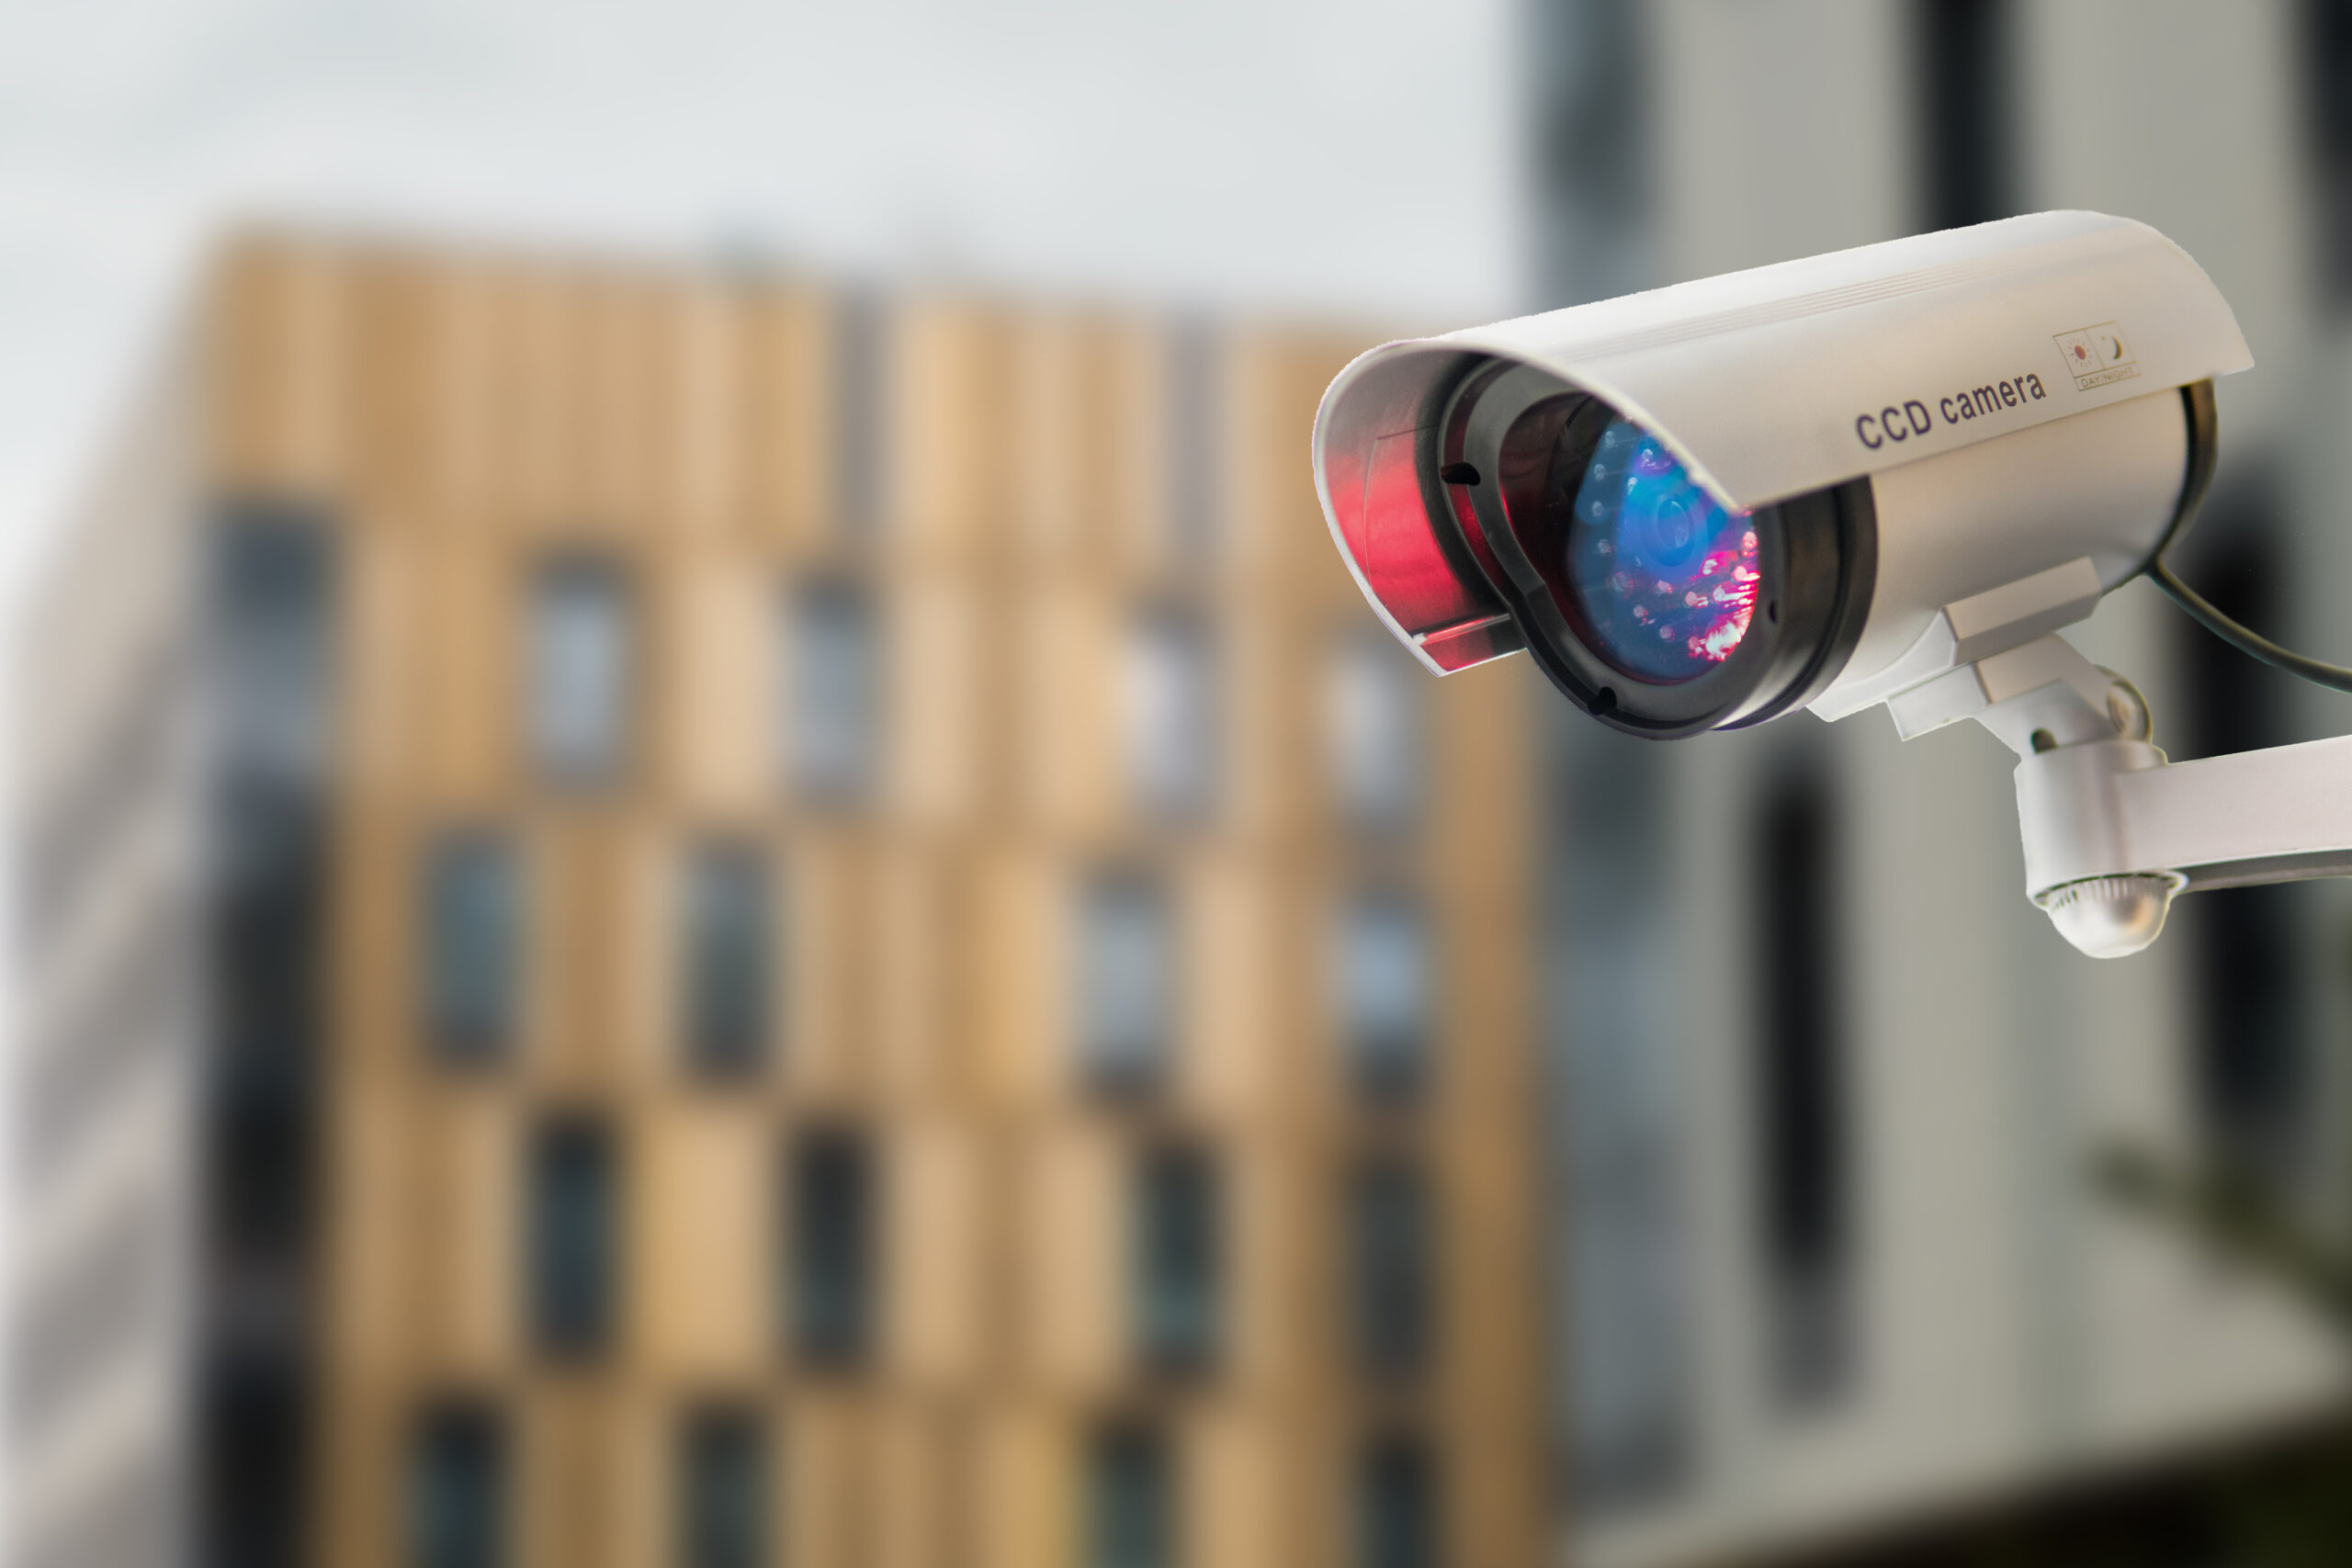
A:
x,y
1652,602
1661,576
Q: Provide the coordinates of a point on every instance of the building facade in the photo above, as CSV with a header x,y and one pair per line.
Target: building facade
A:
x,y
1841,1278
703,920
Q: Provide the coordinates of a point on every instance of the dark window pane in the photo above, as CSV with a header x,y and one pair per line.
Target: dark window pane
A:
x,y
1130,1502
2254,1080
471,945
582,670
1805,1217
1392,1274
1962,52
1385,984
254,1461
1595,95
268,927
456,1492
1374,718
260,1179
269,906
575,1236
1126,981
270,630
1168,702
271,633
723,1477
832,722
1624,1370
1178,1258
832,1199
2327,53
1397,1509
728,960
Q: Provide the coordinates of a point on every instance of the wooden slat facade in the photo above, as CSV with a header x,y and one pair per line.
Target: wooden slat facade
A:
x,y
462,418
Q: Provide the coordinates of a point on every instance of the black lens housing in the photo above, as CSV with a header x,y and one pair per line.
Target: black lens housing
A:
x,y
1492,468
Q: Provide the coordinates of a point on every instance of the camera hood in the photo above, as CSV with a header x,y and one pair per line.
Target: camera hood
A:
x,y
1778,394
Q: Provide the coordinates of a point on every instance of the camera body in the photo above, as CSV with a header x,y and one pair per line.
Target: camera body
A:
x,y
1820,484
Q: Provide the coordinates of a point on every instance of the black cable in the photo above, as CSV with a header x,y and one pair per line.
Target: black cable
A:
x,y
2335,677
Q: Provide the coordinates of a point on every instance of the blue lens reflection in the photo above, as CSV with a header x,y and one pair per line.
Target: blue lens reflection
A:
x,y
1662,574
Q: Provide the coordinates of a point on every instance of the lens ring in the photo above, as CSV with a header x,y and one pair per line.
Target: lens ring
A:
x,y
1531,438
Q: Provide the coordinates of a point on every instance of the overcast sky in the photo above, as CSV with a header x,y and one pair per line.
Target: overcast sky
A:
x,y
1334,156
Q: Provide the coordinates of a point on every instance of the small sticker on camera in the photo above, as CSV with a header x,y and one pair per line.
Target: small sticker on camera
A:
x,y
2096,356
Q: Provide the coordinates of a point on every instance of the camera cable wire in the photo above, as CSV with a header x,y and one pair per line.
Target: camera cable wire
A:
x,y
2335,677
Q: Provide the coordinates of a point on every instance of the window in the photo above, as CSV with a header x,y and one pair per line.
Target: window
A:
x,y
1373,705
581,671
271,634
1625,1363
1130,1503
2326,55
722,1490
574,1242
252,1453
457,1494
860,392
267,929
1595,157
268,935
832,1285
261,1183
1805,1216
1194,451
1384,987
1392,1268
726,965
1126,981
833,724
271,629
1167,699
1396,1522
269,626
2253,1070
1961,53
1178,1258
471,945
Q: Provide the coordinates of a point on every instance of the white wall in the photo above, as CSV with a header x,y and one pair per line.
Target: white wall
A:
x,y
2011,1326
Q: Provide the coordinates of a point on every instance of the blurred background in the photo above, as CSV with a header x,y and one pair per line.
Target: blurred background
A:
x,y
711,867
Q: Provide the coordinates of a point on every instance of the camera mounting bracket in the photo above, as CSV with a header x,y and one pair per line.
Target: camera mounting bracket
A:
x,y
2112,828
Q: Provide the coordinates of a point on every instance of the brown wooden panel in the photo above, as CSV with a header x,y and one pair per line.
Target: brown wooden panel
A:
x,y
468,415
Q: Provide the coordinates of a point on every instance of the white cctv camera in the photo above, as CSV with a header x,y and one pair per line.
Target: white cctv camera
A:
x,y
1885,475
1711,504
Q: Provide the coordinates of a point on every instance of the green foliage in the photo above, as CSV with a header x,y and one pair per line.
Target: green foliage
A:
x,y
2287,1512
2238,1216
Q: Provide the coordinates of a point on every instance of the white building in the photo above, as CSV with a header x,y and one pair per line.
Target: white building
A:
x,y
1833,1263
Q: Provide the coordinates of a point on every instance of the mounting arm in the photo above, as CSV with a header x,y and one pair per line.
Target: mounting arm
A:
x,y
2112,829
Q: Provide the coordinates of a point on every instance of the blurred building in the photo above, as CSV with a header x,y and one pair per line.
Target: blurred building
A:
x,y
695,919
707,919
1840,1288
